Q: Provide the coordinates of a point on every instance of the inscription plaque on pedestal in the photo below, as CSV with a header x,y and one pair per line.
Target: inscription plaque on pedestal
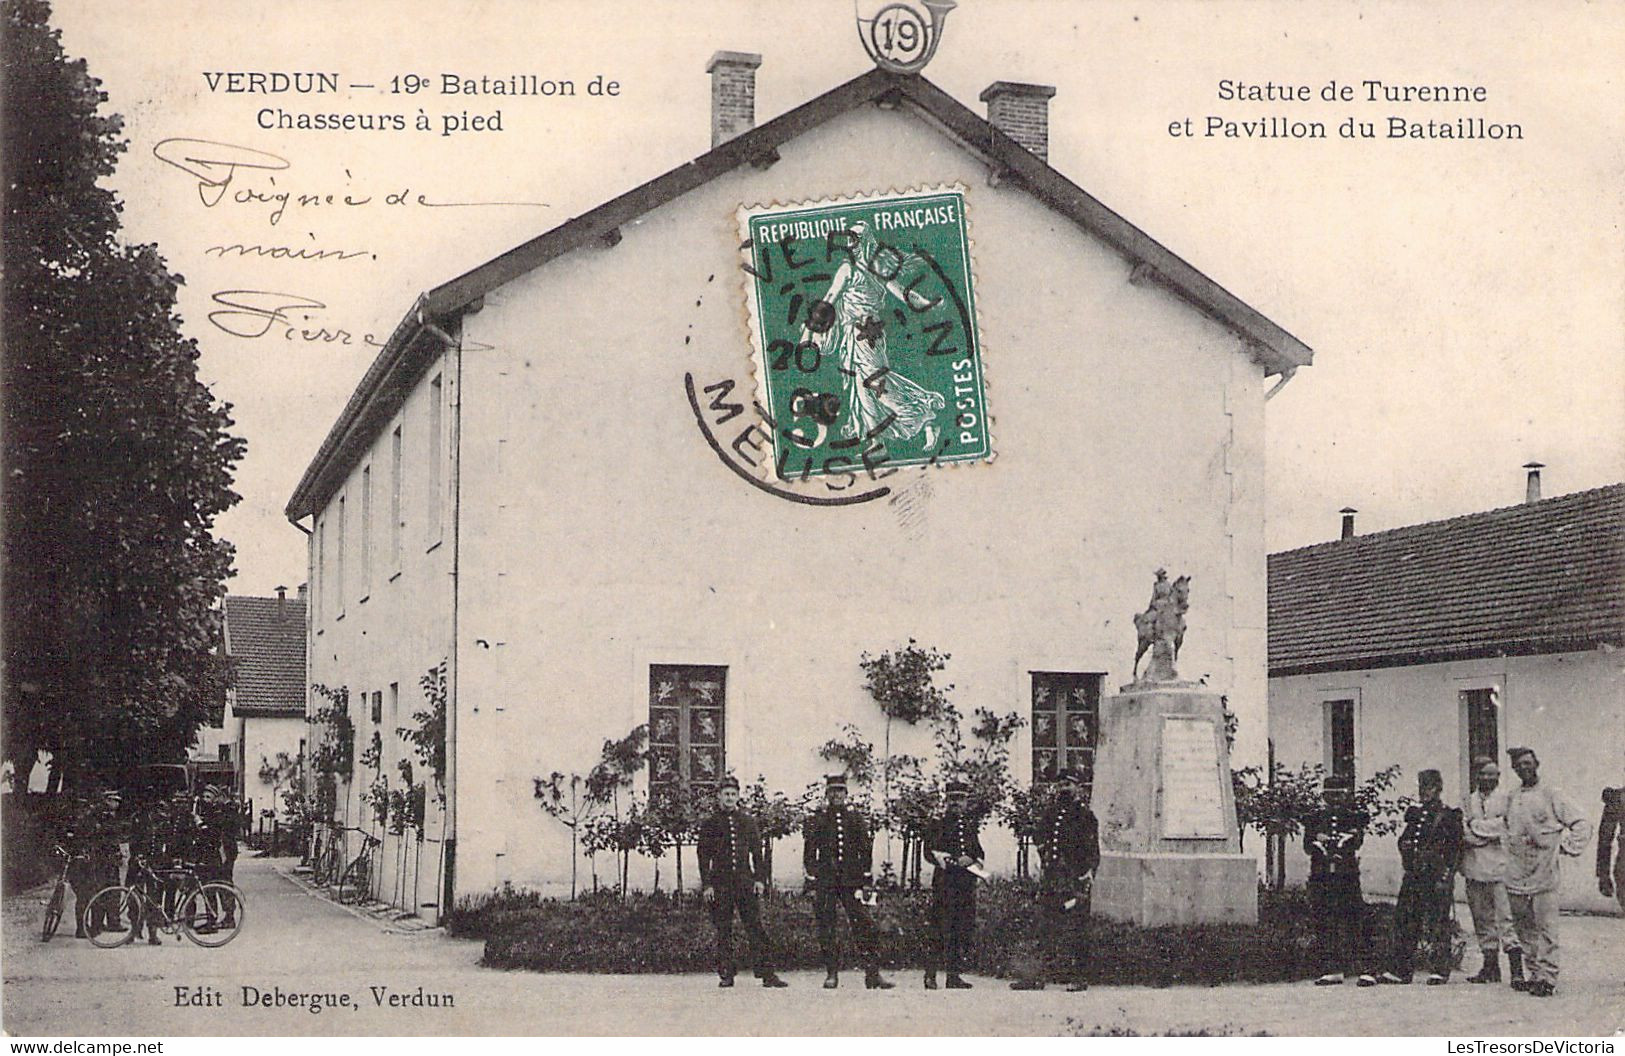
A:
x,y
1192,797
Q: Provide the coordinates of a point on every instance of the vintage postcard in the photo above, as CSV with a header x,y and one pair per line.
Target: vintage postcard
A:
x,y
883,518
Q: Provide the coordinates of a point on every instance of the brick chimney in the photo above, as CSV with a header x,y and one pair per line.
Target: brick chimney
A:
x,y
733,94
1348,513
281,602
1020,111
1531,489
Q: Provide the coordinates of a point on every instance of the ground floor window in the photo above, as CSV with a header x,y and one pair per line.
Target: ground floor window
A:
x,y
687,722
1066,723
1341,751
1481,723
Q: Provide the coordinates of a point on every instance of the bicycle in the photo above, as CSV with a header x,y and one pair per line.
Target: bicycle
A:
x,y
209,914
58,902
354,885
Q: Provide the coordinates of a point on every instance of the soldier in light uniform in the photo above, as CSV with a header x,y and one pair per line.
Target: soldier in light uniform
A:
x,y
1484,866
1068,840
733,874
1332,837
1541,824
955,848
1430,848
837,855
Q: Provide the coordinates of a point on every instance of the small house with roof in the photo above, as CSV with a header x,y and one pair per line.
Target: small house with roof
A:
x,y
1432,644
577,485
264,722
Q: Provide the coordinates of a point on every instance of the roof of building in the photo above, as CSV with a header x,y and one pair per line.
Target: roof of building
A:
x,y
411,346
1542,577
265,639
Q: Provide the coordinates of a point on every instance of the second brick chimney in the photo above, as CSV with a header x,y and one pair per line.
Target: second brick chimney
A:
x,y
1020,111
1348,513
733,94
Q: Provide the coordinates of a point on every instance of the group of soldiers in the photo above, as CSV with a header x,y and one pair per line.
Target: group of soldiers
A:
x,y
837,858
199,832
1505,843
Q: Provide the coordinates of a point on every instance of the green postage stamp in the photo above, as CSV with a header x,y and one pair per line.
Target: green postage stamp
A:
x,y
863,322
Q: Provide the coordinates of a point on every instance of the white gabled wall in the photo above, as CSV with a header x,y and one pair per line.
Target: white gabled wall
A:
x,y
600,534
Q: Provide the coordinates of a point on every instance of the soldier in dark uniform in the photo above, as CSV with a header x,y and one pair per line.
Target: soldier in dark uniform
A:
x,y
215,852
77,838
1430,848
165,834
954,846
1611,881
105,837
837,851
1068,841
1332,837
733,873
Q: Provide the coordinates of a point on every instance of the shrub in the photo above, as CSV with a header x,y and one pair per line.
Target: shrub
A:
x,y
478,916
656,933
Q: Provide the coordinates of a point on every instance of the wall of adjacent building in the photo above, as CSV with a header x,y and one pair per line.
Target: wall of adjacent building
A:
x,y
390,621
1566,707
600,534
261,740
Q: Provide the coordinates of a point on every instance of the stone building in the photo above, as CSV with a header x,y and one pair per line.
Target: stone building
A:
x,y
1428,645
553,480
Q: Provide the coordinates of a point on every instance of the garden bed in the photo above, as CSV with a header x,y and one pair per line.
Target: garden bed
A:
x,y
660,933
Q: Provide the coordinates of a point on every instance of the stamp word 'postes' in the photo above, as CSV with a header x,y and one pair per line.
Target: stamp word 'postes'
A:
x,y
863,323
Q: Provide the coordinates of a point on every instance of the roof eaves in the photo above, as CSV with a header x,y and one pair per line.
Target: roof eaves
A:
x,y
1273,347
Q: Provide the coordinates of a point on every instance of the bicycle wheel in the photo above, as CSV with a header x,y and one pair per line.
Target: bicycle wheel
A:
x,y
53,912
113,917
353,888
212,915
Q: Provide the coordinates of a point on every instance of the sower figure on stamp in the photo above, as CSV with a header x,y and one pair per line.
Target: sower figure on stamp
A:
x,y
1611,881
1541,824
1068,840
955,848
733,874
837,852
1430,848
1332,837
1484,867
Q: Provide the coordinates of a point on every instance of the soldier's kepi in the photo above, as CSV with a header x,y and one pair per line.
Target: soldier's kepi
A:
x,y
733,872
837,852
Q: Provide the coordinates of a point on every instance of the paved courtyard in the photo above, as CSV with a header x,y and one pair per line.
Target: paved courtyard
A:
x,y
302,944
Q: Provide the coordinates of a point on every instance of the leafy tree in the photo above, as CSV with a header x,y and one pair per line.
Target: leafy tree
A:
x,y
776,814
428,736
901,684
675,815
279,771
117,460
591,795
1279,807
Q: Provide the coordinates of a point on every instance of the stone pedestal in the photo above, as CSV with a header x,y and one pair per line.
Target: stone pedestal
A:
x,y
1171,848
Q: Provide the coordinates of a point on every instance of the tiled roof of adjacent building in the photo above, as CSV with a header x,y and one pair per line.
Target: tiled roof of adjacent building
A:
x,y
265,638
412,344
1543,577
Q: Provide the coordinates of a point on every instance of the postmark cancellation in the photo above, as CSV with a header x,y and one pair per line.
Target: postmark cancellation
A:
x,y
863,331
